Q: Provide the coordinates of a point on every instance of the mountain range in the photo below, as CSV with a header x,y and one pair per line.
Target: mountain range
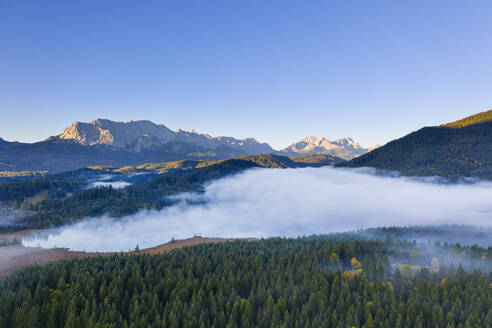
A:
x,y
139,136
458,149
104,142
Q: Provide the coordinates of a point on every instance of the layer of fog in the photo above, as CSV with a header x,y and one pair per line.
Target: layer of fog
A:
x,y
108,180
464,235
9,220
8,216
285,202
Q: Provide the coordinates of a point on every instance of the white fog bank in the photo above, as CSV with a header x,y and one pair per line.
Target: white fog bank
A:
x,y
285,202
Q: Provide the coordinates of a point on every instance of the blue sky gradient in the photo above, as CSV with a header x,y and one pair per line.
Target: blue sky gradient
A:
x,y
275,70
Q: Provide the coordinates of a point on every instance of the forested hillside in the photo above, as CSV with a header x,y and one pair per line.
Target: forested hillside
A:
x,y
60,156
459,149
309,282
261,160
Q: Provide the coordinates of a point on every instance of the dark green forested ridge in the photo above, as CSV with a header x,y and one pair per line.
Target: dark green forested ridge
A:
x,y
317,160
262,160
20,190
308,282
446,151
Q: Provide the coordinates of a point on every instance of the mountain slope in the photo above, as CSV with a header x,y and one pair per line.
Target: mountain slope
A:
x,y
64,156
458,149
345,148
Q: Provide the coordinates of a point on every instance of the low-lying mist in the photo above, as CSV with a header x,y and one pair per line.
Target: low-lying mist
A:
x,y
285,202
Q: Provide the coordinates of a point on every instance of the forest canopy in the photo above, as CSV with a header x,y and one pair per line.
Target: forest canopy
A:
x,y
319,281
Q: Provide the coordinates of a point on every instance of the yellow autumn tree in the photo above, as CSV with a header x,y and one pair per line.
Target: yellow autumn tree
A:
x,y
355,264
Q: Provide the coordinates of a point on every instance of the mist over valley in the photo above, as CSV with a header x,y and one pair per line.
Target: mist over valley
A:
x,y
266,203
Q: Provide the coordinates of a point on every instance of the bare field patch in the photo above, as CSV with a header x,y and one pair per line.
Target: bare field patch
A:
x,y
16,256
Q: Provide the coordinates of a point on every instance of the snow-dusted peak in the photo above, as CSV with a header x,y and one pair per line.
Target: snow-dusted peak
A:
x,y
352,145
345,148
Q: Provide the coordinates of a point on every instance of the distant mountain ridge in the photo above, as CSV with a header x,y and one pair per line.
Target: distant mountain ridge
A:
x,y
345,148
104,142
458,149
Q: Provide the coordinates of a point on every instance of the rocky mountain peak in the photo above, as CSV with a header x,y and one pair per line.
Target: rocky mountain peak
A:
x,y
351,145
137,136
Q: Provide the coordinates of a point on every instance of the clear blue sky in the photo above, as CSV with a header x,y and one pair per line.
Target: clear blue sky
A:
x,y
275,70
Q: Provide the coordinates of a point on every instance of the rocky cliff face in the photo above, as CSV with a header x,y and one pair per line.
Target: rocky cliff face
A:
x,y
138,136
123,135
